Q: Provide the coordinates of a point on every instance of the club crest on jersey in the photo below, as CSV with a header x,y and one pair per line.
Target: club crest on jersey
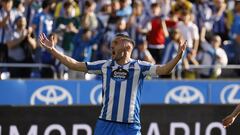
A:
x,y
119,74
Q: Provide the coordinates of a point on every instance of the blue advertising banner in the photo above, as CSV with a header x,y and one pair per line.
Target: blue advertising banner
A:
x,y
225,92
47,92
72,92
175,92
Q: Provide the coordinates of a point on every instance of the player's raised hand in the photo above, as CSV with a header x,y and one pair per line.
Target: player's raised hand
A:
x,y
182,46
228,121
45,42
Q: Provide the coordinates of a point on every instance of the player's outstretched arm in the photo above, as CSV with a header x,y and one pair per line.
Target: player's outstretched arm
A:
x,y
67,61
227,121
167,68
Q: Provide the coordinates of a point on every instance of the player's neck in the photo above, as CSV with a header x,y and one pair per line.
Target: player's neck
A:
x,y
123,61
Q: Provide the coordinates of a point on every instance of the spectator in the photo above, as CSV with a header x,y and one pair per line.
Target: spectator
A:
x,y
136,24
68,26
156,36
202,14
166,7
142,53
115,6
19,7
7,18
89,19
171,21
189,31
233,50
236,48
43,21
125,9
171,50
31,8
60,9
20,47
147,6
212,54
182,5
104,13
235,28
172,47
219,19
83,45
102,3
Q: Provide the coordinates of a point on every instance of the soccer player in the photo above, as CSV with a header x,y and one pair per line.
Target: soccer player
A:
x,y
122,79
231,118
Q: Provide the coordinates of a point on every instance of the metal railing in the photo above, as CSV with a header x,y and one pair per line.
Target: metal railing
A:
x,y
177,72
180,68
30,65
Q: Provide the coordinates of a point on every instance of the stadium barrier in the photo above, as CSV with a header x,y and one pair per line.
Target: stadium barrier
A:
x,y
80,120
74,92
29,65
177,73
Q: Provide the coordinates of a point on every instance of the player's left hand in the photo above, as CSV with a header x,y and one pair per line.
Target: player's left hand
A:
x,y
182,46
228,121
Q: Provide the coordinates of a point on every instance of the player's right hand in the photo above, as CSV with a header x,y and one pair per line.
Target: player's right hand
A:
x,y
228,121
45,42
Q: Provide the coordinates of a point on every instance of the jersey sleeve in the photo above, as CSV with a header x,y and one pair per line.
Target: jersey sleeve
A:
x,y
95,67
148,68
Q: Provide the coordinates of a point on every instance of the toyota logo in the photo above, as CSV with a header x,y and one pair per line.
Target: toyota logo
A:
x,y
96,95
184,95
51,94
230,94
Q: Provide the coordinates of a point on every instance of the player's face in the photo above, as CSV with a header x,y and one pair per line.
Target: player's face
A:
x,y
117,49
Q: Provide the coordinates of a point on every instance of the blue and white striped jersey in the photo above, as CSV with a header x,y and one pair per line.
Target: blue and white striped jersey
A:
x,y
122,87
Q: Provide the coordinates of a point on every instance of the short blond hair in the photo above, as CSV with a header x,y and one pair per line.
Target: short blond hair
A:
x,y
125,38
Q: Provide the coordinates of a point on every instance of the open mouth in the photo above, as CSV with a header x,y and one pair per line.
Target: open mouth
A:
x,y
113,52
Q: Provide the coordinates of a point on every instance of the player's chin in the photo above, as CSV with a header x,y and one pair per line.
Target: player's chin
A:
x,y
113,57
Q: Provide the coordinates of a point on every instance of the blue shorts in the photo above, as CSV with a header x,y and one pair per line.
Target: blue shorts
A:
x,y
104,127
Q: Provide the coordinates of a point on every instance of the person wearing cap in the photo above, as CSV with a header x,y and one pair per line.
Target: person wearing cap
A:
x,y
122,80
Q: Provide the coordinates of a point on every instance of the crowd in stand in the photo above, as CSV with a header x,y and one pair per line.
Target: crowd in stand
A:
x,y
84,29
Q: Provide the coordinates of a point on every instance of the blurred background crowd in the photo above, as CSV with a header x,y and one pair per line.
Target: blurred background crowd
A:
x,y
84,29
